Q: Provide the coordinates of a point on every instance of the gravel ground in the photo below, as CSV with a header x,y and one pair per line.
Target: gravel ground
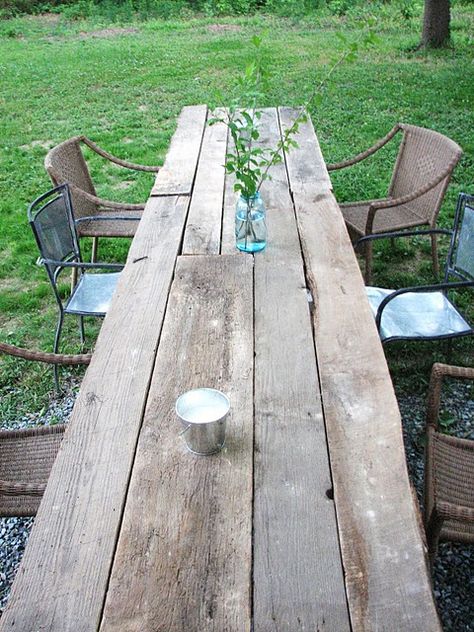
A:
x,y
454,567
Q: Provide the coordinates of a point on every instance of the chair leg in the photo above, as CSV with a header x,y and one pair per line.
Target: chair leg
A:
x,y
433,530
434,254
56,348
368,262
73,279
95,248
81,330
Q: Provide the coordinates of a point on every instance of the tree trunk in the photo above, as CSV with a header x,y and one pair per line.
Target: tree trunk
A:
x,y
436,23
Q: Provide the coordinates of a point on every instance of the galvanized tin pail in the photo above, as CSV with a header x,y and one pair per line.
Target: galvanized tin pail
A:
x,y
203,413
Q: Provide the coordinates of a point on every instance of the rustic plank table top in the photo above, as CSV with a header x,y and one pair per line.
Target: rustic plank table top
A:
x,y
305,520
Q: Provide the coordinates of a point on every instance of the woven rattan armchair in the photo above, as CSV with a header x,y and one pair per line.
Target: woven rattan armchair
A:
x,y
26,459
96,216
27,455
449,472
422,171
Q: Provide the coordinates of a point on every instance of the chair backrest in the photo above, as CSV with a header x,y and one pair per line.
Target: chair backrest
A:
x,y
460,260
51,219
424,156
66,163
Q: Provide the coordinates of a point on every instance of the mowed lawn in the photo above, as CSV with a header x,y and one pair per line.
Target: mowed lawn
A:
x,y
124,86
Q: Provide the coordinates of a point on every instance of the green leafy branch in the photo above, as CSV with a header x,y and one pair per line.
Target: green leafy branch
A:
x,y
249,163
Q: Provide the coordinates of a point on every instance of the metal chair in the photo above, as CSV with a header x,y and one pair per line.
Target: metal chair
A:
x,y
449,472
427,312
425,162
95,216
52,221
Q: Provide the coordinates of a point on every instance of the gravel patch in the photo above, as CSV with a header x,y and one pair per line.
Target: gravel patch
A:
x,y
453,580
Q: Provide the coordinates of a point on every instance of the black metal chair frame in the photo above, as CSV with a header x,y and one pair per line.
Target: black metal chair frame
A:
x,y
465,281
72,260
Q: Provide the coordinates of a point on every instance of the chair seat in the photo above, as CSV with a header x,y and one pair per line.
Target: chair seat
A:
x,y
453,471
26,458
109,228
92,295
396,218
417,315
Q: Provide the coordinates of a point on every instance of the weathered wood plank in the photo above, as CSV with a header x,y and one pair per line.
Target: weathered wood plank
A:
x,y
386,575
228,211
183,560
203,228
62,580
176,176
310,168
298,580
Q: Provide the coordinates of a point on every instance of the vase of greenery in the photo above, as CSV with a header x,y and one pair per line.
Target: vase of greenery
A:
x,y
246,159
250,224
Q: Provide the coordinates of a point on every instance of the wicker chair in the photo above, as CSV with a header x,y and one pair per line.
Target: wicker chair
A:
x,y
422,171
27,455
95,216
26,459
449,472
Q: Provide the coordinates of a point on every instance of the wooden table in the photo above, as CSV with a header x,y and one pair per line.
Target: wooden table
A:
x,y
305,521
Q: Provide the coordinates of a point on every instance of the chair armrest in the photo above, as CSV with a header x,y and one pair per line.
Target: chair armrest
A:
x,y
403,233
48,358
118,161
365,154
82,264
438,372
419,288
107,218
106,203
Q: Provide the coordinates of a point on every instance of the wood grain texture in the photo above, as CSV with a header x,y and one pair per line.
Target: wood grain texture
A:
x,y
203,228
184,555
298,580
311,169
387,580
62,580
176,176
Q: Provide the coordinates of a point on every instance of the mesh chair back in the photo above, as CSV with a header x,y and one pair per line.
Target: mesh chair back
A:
x,y
51,219
66,163
461,254
423,156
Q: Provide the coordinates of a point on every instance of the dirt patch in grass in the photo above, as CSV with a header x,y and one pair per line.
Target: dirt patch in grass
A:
x,y
44,144
107,33
219,28
51,18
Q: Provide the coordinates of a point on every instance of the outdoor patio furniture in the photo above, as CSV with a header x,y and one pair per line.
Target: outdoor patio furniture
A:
x,y
52,221
95,216
449,472
305,519
26,458
427,312
27,454
425,162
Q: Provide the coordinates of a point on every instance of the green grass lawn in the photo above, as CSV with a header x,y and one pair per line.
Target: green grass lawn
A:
x,y
124,86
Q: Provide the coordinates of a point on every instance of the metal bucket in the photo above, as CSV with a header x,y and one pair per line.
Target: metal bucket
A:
x,y
203,413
